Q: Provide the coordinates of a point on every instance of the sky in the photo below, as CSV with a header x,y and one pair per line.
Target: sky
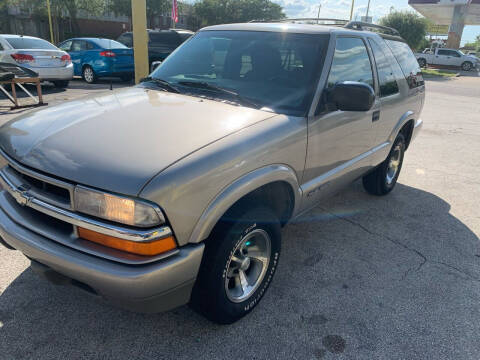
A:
x,y
340,9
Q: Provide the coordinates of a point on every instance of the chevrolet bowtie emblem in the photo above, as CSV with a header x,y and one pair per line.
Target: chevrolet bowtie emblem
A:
x,y
22,196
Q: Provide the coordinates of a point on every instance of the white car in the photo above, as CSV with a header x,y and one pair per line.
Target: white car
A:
x,y
48,61
447,57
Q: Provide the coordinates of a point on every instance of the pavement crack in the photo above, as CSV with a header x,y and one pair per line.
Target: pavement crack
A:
x,y
423,258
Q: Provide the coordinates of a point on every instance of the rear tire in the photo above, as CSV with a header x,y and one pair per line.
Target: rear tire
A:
x,y
422,62
467,66
61,84
88,74
383,179
239,262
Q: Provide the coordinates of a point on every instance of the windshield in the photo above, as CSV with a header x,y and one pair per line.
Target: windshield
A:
x,y
29,43
109,44
275,70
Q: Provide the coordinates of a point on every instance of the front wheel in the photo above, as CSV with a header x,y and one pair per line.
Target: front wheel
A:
x,y
239,262
467,66
384,178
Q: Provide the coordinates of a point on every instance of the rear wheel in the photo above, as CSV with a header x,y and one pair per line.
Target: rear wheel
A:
x,y
61,84
383,179
422,63
240,259
88,74
467,66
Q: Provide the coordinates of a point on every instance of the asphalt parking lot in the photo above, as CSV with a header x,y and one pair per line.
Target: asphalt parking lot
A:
x,y
360,277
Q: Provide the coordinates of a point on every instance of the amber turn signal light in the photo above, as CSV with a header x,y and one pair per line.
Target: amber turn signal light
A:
x,y
147,248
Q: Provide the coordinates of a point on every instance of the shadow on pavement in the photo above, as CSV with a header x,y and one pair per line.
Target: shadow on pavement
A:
x,y
392,277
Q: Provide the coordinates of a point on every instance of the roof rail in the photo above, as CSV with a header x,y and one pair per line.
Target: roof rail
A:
x,y
319,21
359,25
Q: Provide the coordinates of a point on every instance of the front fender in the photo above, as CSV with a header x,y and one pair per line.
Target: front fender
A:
x,y
238,189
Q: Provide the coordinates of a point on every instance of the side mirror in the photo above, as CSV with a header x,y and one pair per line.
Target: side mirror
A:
x,y
351,96
154,65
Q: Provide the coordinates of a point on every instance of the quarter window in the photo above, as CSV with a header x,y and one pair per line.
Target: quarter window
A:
x,y
408,62
350,62
386,78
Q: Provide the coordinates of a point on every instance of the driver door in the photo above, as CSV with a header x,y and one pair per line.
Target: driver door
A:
x,y
339,141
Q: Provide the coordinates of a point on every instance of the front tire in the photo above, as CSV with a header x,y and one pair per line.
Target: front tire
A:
x,y
467,66
239,262
88,74
384,178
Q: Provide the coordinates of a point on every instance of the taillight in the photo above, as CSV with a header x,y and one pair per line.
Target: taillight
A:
x,y
107,53
22,58
66,58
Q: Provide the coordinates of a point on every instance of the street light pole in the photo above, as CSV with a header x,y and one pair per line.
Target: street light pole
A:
x,y
368,8
319,8
52,40
351,10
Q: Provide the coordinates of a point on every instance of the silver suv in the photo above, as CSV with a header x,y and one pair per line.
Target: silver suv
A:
x,y
175,191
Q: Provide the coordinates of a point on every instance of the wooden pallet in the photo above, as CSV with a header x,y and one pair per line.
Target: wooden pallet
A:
x,y
18,81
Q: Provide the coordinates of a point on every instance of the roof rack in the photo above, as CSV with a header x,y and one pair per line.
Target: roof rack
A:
x,y
319,21
359,25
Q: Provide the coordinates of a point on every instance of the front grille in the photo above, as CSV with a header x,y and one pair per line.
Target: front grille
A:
x,y
44,190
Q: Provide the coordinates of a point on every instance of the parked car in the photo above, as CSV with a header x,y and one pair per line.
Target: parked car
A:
x,y
447,57
175,190
94,58
48,61
161,43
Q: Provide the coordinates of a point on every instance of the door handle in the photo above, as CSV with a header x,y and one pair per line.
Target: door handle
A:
x,y
376,116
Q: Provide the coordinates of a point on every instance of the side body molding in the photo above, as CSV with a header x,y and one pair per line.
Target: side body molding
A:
x,y
239,188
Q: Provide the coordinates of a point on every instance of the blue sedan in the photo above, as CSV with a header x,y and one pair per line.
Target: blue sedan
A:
x,y
93,58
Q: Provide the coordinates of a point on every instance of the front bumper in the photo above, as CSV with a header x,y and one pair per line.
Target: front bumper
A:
x,y
152,287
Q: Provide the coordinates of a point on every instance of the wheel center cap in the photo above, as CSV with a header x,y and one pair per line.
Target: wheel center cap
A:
x,y
245,264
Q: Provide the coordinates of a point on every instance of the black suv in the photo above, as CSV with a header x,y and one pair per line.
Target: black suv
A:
x,y
161,43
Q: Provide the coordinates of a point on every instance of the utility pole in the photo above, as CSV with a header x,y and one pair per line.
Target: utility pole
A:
x,y
351,10
140,39
368,9
319,8
52,40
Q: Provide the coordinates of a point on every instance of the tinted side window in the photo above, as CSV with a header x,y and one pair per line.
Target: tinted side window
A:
x,y
79,45
350,62
408,62
126,39
388,84
165,38
443,52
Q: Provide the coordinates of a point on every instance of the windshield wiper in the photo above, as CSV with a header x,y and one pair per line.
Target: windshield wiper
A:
x,y
164,84
207,86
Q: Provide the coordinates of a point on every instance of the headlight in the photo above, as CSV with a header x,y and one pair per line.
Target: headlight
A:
x,y
115,208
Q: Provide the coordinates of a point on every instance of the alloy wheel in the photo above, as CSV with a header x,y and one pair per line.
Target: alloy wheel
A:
x,y
247,265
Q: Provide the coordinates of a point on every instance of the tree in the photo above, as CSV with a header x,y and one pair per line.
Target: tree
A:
x,y
211,12
60,8
154,8
411,26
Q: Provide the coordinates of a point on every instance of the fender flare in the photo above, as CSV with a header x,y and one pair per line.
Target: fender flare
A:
x,y
238,189
409,115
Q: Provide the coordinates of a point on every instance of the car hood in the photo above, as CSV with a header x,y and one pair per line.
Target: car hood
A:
x,y
120,139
